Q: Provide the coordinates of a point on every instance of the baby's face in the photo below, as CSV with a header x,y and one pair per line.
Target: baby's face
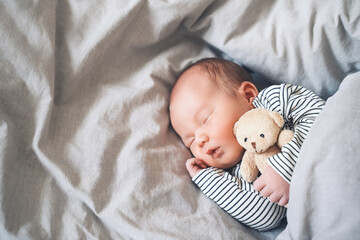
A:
x,y
203,115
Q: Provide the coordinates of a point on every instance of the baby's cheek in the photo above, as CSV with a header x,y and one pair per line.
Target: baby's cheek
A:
x,y
238,151
195,152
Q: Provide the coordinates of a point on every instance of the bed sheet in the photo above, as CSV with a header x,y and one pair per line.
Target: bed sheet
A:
x,y
86,147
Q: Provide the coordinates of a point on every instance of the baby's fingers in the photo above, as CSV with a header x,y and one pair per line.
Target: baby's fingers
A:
x,y
275,198
200,163
284,200
194,166
190,163
259,184
266,192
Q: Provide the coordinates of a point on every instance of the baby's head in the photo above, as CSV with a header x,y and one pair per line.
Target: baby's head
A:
x,y
206,101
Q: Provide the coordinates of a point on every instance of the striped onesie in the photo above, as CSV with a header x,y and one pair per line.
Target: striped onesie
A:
x,y
299,108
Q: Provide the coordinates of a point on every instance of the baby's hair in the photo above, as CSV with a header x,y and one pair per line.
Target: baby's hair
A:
x,y
226,74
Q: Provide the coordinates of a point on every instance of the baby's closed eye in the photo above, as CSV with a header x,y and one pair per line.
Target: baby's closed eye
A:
x,y
189,142
207,118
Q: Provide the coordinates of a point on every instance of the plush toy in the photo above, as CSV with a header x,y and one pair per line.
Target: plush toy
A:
x,y
259,132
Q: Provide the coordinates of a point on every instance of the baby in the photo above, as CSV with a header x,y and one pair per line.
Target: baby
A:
x,y
206,101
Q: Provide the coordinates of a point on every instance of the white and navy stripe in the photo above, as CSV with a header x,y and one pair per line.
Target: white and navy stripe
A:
x,y
238,198
299,107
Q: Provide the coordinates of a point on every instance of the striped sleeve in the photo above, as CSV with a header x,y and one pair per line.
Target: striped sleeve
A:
x,y
299,107
239,199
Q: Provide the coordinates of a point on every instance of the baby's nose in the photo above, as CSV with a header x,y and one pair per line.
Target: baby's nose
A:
x,y
253,144
201,139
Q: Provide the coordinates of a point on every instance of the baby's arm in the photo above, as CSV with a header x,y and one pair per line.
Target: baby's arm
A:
x,y
300,107
239,199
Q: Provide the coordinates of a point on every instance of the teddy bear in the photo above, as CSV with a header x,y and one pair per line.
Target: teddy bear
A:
x,y
260,132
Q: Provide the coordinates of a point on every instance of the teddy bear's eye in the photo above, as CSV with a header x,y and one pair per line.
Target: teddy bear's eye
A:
x,y
262,135
245,139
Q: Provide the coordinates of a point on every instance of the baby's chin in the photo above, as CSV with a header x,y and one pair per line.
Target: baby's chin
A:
x,y
231,161
231,165
228,163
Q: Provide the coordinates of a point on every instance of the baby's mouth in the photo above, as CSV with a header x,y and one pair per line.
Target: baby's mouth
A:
x,y
215,152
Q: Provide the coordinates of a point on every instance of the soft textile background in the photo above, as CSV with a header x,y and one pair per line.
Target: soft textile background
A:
x,y
325,187
86,149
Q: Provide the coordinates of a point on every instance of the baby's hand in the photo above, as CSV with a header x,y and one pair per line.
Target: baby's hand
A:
x,y
194,165
272,185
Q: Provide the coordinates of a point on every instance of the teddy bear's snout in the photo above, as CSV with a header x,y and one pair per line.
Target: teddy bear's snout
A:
x,y
254,145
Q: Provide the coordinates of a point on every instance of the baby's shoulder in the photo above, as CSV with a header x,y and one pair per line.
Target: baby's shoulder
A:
x,y
235,170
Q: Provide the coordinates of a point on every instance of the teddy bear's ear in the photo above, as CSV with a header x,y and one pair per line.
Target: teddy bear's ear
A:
x,y
278,119
235,127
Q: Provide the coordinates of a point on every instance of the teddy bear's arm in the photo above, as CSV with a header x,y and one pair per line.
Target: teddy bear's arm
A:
x,y
248,168
285,137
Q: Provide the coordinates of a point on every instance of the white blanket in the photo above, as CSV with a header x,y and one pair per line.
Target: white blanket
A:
x,y
86,147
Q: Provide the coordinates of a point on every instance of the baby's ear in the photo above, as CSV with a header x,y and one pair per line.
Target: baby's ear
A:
x,y
278,119
248,91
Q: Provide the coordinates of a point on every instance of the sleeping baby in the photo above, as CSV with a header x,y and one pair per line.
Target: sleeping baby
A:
x,y
206,101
